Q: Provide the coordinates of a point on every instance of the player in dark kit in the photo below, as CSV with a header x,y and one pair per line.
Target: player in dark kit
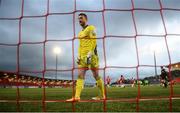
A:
x,y
164,77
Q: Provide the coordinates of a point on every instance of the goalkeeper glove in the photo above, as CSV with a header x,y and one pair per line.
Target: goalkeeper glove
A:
x,y
89,55
78,60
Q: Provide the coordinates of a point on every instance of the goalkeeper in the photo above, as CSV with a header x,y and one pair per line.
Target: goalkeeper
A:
x,y
87,59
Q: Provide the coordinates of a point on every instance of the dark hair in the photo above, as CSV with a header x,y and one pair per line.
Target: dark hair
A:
x,y
83,14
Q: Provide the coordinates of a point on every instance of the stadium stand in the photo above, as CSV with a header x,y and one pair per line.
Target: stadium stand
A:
x,y
11,80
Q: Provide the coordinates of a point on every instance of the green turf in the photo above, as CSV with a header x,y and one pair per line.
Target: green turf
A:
x,y
112,93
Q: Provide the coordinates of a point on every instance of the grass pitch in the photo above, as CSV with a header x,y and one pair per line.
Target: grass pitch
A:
x,y
124,99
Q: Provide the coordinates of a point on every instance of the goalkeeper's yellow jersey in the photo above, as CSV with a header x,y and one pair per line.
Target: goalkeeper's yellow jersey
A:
x,y
87,38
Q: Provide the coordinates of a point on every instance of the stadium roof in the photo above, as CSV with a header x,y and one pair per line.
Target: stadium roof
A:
x,y
175,66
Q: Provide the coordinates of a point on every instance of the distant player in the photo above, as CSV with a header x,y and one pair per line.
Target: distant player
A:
x,y
164,77
87,58
133,82
121,81
146,82
108,81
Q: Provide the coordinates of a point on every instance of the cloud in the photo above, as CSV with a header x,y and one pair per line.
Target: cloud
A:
x,y
10,8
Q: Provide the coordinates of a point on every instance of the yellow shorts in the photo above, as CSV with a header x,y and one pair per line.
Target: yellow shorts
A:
x,y
94,62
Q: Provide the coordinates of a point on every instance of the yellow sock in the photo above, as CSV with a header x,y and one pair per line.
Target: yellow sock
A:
x,y
100,85
79,87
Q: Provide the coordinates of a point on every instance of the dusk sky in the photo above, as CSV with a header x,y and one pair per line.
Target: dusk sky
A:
x,y
119,51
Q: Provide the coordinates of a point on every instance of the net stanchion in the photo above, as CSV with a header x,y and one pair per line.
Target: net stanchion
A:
x,y
169,58
73,56
72,72
17,82
137,55
44,95
104,51
44,61
18,58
